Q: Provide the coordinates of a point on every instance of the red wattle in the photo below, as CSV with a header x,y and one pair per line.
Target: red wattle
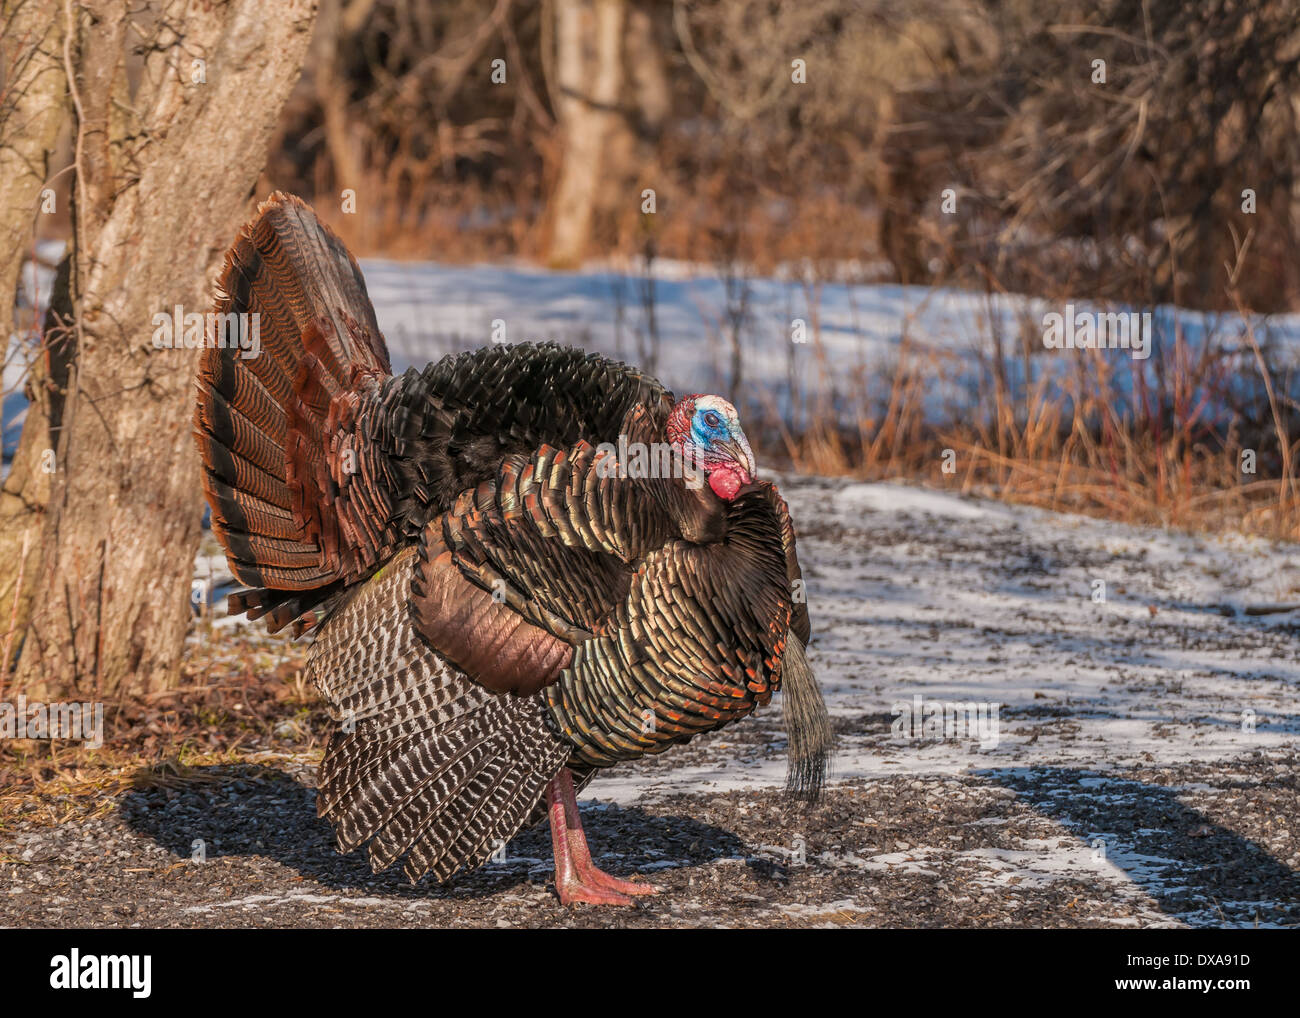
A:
x,y
725,483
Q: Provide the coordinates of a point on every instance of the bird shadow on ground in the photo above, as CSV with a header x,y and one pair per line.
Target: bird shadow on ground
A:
x,y
261,813
1195,869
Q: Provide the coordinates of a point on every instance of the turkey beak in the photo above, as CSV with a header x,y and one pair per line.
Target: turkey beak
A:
x,y
737,449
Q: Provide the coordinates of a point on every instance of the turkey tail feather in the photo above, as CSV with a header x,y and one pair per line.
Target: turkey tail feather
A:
x,y
304,332
808,728
428,764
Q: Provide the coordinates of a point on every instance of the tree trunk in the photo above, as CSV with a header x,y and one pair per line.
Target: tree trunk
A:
x,y
629,152
33,105
164,172
589,73
330,85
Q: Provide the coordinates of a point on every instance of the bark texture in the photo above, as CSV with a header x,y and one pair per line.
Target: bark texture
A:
x,y
33,106
589,74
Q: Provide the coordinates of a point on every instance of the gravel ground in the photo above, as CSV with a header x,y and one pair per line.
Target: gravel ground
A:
x,y
1124,789
1172,845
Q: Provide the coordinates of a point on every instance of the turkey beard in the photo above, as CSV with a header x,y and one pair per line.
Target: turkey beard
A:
x,y
809,741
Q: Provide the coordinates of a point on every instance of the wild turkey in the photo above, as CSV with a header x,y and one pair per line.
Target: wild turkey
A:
x,y
502,603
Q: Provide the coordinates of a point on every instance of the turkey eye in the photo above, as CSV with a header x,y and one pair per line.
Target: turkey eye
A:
x,y
712,419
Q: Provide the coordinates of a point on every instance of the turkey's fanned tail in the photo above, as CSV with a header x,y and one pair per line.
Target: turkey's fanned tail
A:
x,y
295,338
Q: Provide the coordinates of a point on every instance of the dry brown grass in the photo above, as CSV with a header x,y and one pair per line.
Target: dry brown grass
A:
x,y
229,710
1068,449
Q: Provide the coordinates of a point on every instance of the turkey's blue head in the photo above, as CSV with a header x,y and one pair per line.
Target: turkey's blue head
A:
x,y
706,430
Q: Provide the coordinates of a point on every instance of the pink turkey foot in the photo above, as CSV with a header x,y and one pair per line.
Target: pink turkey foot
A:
x,y
576,876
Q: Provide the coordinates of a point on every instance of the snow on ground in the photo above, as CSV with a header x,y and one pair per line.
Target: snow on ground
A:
x,y
963,601
862,330
426,310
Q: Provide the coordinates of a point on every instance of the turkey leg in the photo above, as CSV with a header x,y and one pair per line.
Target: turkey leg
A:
x,y
576,876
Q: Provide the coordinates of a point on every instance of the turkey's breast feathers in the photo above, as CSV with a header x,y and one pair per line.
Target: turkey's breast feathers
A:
x,y
563,577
